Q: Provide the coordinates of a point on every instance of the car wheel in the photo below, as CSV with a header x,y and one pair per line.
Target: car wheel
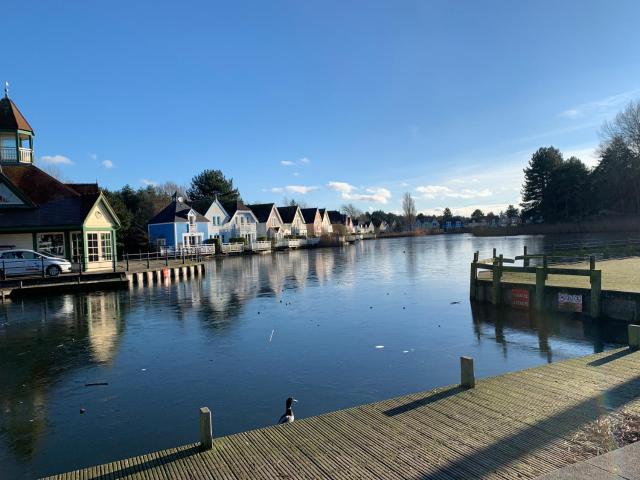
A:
x,y
53,270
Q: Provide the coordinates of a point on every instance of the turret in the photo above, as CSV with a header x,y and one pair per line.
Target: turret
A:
x,y
16,135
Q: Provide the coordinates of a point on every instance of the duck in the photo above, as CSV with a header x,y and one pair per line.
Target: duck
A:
x,y
288,416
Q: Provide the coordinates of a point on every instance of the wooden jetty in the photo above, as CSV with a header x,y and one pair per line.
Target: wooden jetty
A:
x,y
608,288
518,425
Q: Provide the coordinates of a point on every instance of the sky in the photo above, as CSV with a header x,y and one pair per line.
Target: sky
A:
x,y
328,102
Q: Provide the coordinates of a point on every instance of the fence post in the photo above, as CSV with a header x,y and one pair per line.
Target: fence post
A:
x,y
467,377
4,272
166,257
148,264
545,264
592,262
539,295
525,261
596,290
114,262
126,257
182,253
496,277
474,275
494,253
42,266
206,429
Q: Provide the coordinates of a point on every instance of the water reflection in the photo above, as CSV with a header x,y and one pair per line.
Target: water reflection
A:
x,y
167,348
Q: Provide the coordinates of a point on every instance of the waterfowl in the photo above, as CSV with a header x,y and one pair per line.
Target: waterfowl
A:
x,y
288,416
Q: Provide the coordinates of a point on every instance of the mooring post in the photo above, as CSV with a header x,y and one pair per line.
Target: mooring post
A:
x,y
545,264
496,277
206,429
467,378
474,275
540,279
592,262
494,253
596,290
634,336
525,261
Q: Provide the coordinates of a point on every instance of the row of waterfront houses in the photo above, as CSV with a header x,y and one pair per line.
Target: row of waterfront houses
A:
x,y
180,226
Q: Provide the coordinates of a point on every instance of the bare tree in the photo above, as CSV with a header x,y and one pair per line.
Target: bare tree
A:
x,y
409,211
169,188
351,210
294,203
55,172
626,126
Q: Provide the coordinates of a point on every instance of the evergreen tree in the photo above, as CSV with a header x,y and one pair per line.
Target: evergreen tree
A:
x,y
568,191
206,185
536,201
616,179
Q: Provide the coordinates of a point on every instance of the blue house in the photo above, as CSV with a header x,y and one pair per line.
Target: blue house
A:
x,y
178,226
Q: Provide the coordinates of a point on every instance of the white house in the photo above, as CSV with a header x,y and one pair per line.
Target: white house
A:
x,y
269,220
242,223
313,221
292,221
218,217
326,222
380,226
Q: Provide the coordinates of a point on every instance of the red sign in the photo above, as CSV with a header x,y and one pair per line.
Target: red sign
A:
x,y
519,298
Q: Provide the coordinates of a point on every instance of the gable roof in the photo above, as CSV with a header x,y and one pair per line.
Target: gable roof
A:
x,y
309,214
232,208
176,212
262,211
49,201
337,217
288,213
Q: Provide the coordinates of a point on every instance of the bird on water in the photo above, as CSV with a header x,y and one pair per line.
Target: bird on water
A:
x,y
288,416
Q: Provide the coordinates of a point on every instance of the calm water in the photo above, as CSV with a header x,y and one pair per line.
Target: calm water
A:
x,y
252,332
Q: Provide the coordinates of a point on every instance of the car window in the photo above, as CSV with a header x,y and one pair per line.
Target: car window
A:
x,y
7,255
25,254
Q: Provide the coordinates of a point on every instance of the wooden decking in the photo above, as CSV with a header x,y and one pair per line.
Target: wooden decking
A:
x,y
620,275
518,425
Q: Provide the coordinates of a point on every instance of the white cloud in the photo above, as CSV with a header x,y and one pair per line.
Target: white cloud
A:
x,y
56,160
602,105
589,155
146,181
291,163
342,187
431,192
107,164
305,160
277,190
300,189
376,195
93,156
287,163
467,210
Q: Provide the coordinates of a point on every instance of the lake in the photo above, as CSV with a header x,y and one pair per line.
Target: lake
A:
x,y
332,327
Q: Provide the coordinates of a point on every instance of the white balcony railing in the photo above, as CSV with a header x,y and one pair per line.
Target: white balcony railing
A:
x,y
232,247
26,155
12,154
261,246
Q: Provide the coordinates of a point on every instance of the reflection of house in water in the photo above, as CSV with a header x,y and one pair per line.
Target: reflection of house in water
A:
x,y
499,323
42,342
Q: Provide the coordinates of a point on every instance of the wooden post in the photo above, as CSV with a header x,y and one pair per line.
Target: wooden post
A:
x,y
539,295
596,290
634,336
525,261
474,275
497,276
494,253
545,263
467,378
206,429
592,262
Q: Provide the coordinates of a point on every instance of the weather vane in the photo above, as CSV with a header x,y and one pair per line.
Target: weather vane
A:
x,y
6,89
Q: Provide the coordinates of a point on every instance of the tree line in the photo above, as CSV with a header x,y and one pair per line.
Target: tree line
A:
x,y
558,190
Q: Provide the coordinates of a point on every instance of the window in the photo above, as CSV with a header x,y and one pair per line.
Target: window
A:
x,y
92,247
76,247
51,244
106,254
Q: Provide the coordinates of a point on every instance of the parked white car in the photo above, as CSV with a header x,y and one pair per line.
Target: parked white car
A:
x,y
27,262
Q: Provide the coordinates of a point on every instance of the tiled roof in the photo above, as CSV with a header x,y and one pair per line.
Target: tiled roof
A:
x,y
232,208
176,212
309,214
287,213
11,118
262,211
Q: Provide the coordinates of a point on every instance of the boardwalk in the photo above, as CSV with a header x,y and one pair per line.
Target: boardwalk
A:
x,y
518,425
620,275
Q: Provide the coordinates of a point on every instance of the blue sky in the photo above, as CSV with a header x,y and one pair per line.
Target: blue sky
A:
x,y
327,102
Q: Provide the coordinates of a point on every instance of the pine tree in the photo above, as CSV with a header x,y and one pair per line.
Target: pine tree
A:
x,y
536,200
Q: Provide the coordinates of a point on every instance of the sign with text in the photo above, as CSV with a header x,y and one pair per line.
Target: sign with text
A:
x,y
519,298
568,302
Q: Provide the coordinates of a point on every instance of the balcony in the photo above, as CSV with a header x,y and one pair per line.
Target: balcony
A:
x,y
15,155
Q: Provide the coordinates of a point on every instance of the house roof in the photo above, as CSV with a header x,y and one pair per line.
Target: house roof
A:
x,y
337,217
232,208
309,214
287,214
11,118
51,202
176,212
262,211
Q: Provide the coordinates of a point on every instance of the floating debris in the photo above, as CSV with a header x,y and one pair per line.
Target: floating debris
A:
x,y
96,384
405,351
82,410
455,303
379,346
271,336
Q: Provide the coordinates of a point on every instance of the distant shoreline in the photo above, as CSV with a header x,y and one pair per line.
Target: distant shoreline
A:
x,y
594,225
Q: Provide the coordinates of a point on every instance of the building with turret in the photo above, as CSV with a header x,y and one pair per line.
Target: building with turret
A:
x,y
39,212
